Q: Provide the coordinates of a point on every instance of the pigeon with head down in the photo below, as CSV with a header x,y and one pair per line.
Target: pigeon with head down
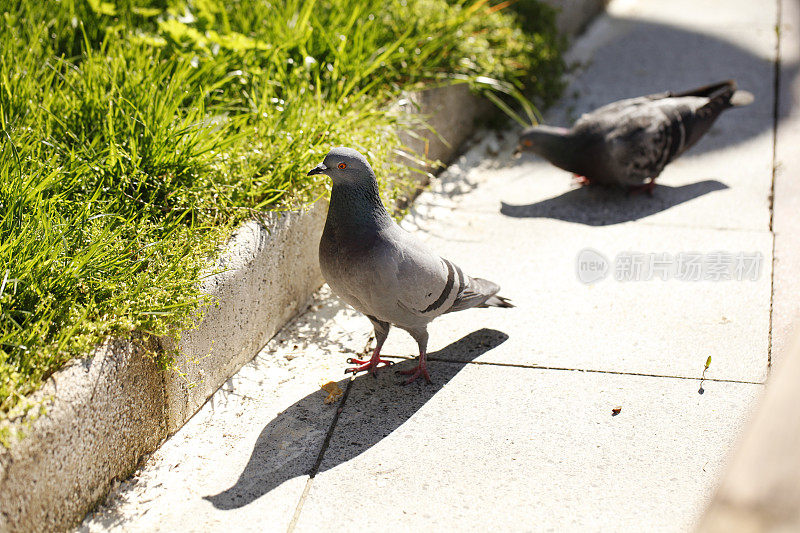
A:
x,y
381,270
625,143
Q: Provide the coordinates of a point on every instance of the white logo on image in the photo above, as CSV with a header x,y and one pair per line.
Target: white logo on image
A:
x,y
591,266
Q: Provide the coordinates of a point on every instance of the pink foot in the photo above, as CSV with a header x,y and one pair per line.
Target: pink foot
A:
x,y
419,370
371,365
582,180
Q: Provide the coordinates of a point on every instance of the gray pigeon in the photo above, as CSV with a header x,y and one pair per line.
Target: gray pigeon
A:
x,y
627,142
382,270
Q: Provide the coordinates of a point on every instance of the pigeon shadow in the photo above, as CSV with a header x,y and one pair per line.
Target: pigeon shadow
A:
x,y
603,206
290,445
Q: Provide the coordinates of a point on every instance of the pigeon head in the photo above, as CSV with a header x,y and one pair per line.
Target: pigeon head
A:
x,y
540,139
562,147
345,165
527,141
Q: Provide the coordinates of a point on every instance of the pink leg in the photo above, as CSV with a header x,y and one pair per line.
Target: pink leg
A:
x,y
370,365
420,370
582,180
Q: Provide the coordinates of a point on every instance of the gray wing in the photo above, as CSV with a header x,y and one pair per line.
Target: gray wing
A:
x,y
429,285
397,279
642,135
641,144
655,134
633,139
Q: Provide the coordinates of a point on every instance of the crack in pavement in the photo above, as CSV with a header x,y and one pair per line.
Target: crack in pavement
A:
x,y
776,81
315,469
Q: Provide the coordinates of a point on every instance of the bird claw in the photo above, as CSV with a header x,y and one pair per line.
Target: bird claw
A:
x,y
370,365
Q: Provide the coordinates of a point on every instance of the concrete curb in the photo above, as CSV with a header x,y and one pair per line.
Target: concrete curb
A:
x,y
270,270
102,414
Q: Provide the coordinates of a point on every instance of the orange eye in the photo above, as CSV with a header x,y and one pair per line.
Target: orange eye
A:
x,y
341,166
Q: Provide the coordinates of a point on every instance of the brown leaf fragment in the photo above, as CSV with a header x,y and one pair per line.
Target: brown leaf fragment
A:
x,y
333,390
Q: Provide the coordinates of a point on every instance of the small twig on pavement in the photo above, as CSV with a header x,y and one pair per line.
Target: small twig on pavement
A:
x,y
703,376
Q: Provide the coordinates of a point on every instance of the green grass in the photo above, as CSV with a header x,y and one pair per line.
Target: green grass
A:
x,y
135,134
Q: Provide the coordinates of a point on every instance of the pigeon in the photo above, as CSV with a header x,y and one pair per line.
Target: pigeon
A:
x,y
383,271
625,143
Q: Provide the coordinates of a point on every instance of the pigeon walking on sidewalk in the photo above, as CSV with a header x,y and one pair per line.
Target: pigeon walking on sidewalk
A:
x,y
382,270
625,143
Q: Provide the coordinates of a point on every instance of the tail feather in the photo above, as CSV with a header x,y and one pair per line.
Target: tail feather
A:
x,y
741,98
497,301
723,93
479,293
710,91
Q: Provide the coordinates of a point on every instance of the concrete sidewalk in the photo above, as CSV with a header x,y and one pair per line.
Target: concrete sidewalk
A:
x,y
517,430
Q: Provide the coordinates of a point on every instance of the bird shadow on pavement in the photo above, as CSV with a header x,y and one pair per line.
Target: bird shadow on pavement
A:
x,y
603,206
290,445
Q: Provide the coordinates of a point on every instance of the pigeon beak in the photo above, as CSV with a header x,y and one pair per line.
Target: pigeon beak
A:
x,y
319,169
517,153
